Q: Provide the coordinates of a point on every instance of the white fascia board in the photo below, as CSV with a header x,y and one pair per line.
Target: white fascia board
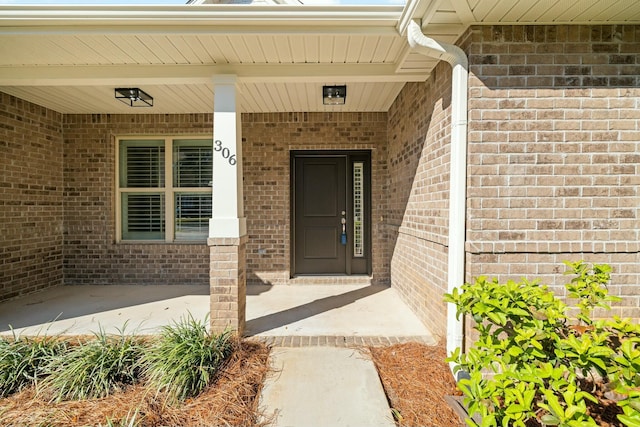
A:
x,y
91,75
140,17
226,28
413,9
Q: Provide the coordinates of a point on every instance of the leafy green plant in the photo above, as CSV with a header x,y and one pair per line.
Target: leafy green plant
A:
x,y
184,359
531,360
94,368
625,369
588,288
22,361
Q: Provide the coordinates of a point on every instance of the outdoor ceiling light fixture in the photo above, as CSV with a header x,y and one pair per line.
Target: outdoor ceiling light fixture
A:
x,y
334,95
134,97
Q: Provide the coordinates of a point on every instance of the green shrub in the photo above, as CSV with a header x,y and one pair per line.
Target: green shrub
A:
x,y
531,359
94,368
22,361
184,359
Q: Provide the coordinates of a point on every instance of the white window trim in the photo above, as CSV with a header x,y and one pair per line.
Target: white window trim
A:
x,y
168,190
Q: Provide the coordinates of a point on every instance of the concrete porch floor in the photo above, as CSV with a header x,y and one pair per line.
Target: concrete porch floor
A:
x,y
272,311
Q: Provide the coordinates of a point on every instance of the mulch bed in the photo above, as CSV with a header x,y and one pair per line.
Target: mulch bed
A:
x,y
416,378
232,400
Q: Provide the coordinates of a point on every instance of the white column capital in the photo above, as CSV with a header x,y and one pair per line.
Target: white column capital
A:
x,y
224,79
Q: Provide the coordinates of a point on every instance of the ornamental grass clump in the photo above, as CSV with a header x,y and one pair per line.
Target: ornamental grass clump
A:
x,y
185,358
549,364
94,368
23,361
130,420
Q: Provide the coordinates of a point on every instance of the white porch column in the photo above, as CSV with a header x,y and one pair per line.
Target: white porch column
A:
x,y
228,210
227,227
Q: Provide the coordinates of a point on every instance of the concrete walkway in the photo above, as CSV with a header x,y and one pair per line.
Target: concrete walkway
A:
x,y
322,387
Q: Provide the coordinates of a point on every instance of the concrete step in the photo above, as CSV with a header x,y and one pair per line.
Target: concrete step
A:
x,y
358,280
352,341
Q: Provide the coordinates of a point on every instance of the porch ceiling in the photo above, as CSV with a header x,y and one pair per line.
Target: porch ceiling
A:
x,y
69,58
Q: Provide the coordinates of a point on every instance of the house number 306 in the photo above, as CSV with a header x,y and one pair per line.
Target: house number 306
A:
x,y
226,153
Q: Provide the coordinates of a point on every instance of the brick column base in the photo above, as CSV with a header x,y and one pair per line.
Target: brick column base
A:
x,y
227,283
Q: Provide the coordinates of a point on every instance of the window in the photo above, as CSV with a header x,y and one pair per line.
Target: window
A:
x,y
358,209
164,189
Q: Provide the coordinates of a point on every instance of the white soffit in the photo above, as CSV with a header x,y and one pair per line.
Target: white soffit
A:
x,y
198,49
70,59
198,98
451,15
555,11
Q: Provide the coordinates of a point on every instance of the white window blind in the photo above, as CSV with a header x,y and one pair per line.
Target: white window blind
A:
x,y
143,216
142,164
165,189
193,211
192,163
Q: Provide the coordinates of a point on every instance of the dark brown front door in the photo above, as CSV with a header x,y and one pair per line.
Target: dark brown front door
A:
x,y
330,189
320,200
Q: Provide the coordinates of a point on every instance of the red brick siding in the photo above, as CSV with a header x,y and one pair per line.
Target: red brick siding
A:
x,y
268,141
91,255
228,284
419,133
554,131
31,187
554,138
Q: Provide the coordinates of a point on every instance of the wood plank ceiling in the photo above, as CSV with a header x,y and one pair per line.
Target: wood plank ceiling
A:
x,y
282,56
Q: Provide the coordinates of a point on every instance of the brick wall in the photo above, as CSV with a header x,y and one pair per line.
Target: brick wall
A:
x,y
554,131
268,140
419,132
31,190
554,153
228,284
91,255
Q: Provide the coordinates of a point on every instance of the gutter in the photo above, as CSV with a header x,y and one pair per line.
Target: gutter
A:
x,y
458,166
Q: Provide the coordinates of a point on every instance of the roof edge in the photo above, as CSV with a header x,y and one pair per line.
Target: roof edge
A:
x,y
220,14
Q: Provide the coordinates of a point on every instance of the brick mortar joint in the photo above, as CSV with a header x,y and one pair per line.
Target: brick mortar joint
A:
x,y
227,241
555,247
423,235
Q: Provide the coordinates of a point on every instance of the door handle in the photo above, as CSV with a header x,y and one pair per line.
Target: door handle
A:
x,y
343,236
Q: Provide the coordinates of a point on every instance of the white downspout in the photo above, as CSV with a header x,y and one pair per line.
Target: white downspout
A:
x,y
458,166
